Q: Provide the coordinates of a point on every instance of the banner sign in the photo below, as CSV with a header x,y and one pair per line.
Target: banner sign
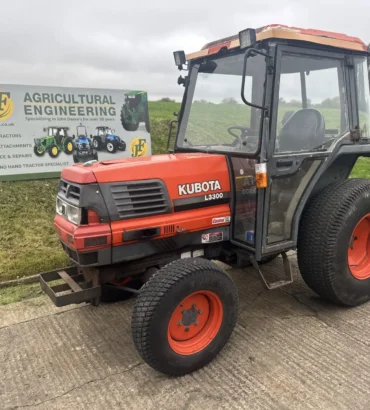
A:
x,y
44,129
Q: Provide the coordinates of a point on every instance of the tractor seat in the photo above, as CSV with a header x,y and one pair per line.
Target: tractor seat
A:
x,y
303,131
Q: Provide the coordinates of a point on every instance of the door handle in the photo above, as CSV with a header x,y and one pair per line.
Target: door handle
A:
x,y
284,163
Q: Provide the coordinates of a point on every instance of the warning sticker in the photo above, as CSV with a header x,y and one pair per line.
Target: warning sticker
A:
x,y
212,237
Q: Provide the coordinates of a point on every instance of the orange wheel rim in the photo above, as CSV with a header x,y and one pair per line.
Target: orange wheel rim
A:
x,y
359,250
195,322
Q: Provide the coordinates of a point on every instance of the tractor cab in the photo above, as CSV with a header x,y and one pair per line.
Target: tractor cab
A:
x,y
59,133
82,136
290,110
103,131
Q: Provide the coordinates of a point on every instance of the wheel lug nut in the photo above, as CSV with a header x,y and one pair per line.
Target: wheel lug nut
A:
x,y
180,323
186,329
183,311
199,311
196,323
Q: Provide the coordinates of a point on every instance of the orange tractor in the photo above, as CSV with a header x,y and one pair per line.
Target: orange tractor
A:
x,y
271,124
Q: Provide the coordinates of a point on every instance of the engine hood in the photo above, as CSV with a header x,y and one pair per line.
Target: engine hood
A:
x,y
183,174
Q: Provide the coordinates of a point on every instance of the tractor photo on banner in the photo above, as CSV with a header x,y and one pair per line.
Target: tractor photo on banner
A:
x,y
44,129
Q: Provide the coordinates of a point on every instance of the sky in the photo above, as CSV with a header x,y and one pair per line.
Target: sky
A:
x,y
128,44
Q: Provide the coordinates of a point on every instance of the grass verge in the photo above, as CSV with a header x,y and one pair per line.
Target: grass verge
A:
x,y
18,293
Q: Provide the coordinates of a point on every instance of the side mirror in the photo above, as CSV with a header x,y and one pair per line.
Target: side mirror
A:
x,y
248,53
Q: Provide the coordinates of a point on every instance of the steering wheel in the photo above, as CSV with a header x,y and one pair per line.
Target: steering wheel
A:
x,y
243,138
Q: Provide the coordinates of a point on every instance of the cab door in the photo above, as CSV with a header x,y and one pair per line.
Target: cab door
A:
x,y
311,117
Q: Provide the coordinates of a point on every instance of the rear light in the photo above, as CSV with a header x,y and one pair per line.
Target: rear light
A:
x,y
92,217
261,175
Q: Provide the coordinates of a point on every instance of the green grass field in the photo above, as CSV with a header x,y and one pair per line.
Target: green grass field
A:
x,y
28,244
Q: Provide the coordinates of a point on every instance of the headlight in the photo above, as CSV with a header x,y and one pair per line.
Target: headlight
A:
x,y
72,213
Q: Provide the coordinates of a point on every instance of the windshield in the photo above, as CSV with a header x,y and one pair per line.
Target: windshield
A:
x,y
215,118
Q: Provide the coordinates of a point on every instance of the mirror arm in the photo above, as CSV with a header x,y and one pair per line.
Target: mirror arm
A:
x,y
246,55
170,134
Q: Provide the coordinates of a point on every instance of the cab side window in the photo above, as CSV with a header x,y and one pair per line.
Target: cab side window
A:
x,y
312,108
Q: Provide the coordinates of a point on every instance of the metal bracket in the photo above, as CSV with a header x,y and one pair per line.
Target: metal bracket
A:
x,y
355,134
288,274
75,289
349,61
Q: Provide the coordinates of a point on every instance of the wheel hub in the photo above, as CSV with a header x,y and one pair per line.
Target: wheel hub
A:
x,y
195,322
359,250
189,317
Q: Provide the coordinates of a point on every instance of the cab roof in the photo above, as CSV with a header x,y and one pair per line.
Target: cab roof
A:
x,y
280,31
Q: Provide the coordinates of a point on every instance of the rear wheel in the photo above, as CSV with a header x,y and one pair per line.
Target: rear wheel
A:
x,y
68,146
147,122
184,316
126,124
334,243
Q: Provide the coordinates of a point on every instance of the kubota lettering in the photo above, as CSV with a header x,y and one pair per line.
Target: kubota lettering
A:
x,y
199,187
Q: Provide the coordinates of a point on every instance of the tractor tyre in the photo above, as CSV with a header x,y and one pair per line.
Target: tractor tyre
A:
x,y
97,143
38,152
111,147
122,146
147,121
126,125
68,146
76,160
184,315
334,243
53,151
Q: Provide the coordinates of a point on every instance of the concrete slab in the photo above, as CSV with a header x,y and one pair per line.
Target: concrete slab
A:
x,y
289,350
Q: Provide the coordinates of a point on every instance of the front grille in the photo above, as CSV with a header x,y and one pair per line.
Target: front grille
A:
x,y
142,198
169,229
69,190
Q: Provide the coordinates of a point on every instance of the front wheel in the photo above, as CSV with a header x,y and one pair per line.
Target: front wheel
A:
x,y
184,316
334,243
39,150
97,143
111,147
53,151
